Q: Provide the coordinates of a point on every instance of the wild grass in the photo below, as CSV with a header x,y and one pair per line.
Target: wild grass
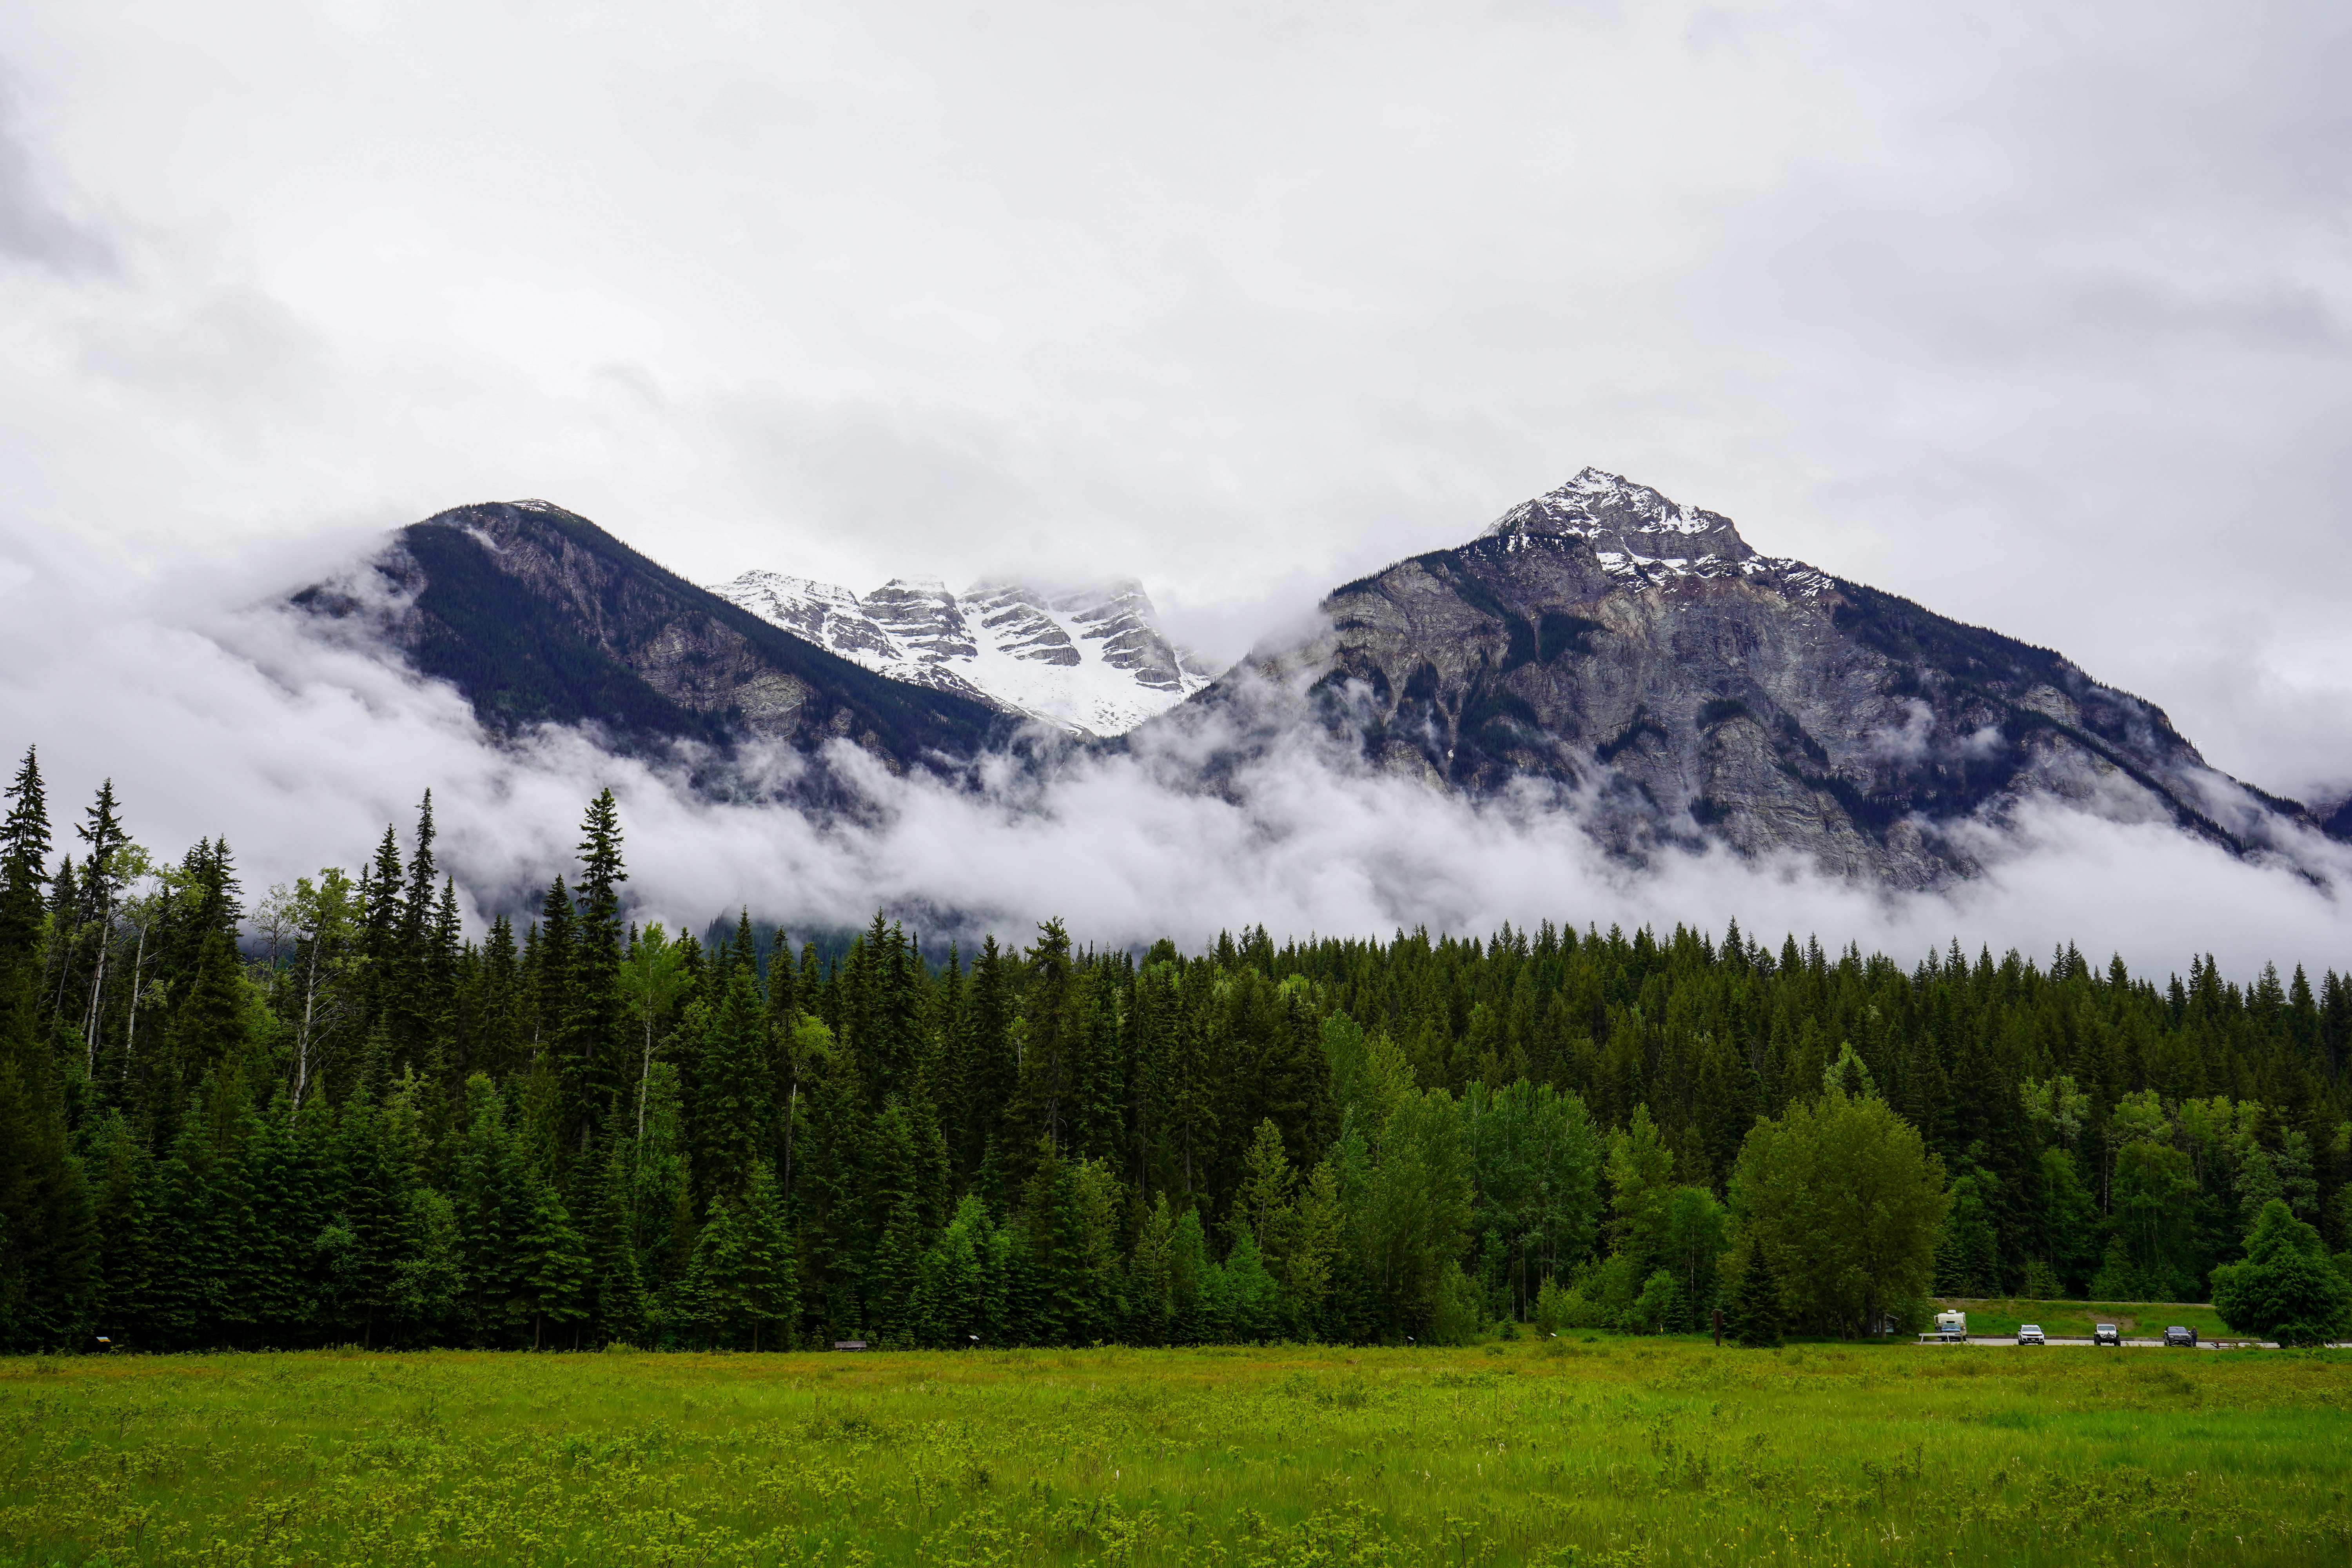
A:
x,y
1557,1451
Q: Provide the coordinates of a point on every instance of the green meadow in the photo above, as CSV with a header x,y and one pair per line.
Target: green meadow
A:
x,y
1586,1451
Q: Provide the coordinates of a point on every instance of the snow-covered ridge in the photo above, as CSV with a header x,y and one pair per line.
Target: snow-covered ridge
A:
x,y
1092,660
1642,538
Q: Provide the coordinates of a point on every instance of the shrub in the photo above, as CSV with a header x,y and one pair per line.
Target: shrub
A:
x,y
1461,1314
2287,1289
1552,1305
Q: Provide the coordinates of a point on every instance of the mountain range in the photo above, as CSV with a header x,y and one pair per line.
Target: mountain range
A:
x,y
1093,660
1631,656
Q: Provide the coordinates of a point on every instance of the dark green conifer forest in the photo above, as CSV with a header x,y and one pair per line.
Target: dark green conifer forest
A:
x,y
327,1115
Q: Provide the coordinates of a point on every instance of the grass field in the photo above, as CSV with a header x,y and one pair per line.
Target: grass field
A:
x,y
1609,1451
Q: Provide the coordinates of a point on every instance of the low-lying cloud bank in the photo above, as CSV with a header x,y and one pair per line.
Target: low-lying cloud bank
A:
x,y
243,724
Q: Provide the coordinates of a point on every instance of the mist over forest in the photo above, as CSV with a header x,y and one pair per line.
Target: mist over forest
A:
x,y
327,1111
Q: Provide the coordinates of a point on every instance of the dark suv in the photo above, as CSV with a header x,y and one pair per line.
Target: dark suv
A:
x,y
2178,1336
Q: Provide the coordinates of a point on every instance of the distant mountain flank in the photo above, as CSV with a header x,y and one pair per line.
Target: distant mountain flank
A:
x,y
539,617
1634,657
1090,660
1687,689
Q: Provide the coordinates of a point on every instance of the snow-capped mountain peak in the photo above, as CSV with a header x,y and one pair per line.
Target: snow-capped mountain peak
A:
x,y
1615,513
1090,659
1641,538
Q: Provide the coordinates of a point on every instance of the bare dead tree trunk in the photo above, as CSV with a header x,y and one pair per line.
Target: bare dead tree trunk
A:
x,y
792,1105
98,989
646,1072
302,1041
131,1031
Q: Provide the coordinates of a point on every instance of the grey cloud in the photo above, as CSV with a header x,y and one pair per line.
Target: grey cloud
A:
x,y
31,227
299,753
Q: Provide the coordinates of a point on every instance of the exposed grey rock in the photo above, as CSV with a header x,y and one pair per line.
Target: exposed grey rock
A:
x,y
540,617
1612,645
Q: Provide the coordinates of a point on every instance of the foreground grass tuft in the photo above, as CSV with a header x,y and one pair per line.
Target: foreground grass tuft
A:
x,y
1561,1451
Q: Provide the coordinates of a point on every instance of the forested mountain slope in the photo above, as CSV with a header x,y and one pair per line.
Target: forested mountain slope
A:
x,y
1641,655
363,1127
540,617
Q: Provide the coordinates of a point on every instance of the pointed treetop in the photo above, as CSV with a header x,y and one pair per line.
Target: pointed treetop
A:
x,y
25,837
600,850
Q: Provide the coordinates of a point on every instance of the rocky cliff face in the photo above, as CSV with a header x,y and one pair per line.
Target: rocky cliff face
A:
x,y
540,617
1641,656
1092,661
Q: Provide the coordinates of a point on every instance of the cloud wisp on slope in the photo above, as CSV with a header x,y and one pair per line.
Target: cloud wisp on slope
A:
x,y
299,748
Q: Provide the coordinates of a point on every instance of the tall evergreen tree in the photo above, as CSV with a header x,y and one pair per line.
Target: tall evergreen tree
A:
x,y
595,1026
24,872
769,1272
1753,1313
713,1306
553,1265
617,1306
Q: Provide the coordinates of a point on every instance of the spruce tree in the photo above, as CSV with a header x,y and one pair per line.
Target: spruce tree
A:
x,y
596,1026
408,1005
181,1265
616,1281
727,1087
990,1074
768,1273
1041,1113
713,1307
370,1218
208,1026
1151,1275
829,1184
494,1206
120,1180
379,938
24,872
1752,1315
234,1241
50,1281
281,1227
894,1271
49,1263
552,1265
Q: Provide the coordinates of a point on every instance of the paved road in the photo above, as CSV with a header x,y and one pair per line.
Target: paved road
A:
x,y
2000,1340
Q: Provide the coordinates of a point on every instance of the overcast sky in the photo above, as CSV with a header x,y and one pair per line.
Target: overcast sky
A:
x,y
2034,313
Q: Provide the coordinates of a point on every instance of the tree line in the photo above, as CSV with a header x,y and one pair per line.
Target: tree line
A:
x,y
330,1115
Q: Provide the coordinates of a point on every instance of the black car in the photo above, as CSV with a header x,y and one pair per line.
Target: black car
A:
x,y
2179,1336
2107,1335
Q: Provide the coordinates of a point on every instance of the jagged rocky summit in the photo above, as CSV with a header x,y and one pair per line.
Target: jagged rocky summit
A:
x,y
1092,661
1639,656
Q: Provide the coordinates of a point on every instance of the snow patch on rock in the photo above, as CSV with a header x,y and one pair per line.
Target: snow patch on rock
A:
x,y
1091,661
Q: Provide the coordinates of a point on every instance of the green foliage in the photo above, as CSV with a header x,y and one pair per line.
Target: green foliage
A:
x,y
2288,1288
1849,1203
359,1126
1755,1310
554,1271
1459,1315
